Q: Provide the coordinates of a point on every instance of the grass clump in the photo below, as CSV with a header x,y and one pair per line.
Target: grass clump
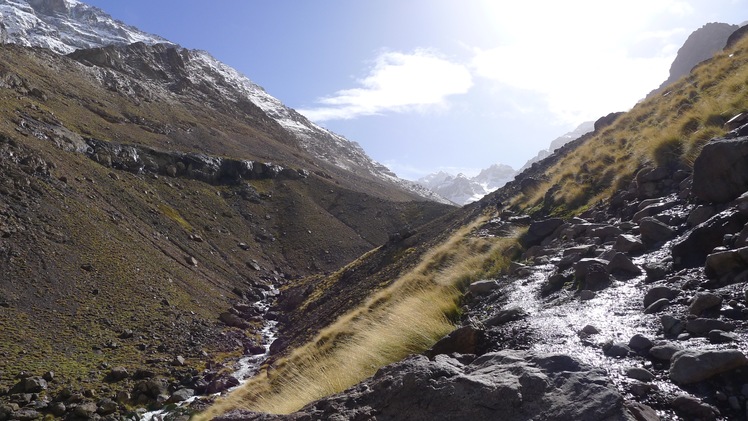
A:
x,y
407,317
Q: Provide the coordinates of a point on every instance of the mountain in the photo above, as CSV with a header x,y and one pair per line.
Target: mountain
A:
x,y
701,45
560,141
68,25
461,189
153,203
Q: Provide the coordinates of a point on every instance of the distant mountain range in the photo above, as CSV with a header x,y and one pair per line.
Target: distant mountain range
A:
x,y
462,189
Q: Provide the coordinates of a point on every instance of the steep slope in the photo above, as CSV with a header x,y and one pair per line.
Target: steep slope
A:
x,y
701,45
68,25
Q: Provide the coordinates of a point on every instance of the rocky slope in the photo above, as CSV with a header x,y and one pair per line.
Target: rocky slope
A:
x,y
699,46
68,25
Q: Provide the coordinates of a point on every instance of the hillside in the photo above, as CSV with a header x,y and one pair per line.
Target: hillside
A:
x,y
625,298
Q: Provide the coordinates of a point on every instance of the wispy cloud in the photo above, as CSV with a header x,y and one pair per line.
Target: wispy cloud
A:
x,y
398,82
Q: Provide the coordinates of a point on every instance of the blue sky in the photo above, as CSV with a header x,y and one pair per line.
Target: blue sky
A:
x,y
430,85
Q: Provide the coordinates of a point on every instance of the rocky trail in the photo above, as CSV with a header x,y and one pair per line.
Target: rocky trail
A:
x,y
635,310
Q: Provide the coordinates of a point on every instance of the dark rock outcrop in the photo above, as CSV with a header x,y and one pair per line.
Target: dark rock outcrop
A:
x,y
506,385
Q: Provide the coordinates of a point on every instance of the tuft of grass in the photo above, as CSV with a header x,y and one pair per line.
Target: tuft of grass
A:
x,y
407,317
172,214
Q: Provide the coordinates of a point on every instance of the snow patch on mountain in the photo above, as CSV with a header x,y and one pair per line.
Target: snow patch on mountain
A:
x,y
462,189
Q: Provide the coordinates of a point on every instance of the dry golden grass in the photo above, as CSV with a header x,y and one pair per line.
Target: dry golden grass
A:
x,y
668,129
407,317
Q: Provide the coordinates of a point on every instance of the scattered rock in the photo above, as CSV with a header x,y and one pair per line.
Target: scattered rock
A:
x,y
181,395
702,326
626,243
586,295
506,315
664,352
692,408
621,263
106,407
657,306
642,412
692,366
704,301
653,231
720,172
590,330
640,374
658,293
539,230
720,337
483,287
616,349
178,361
640,342
672,326
463,340
118,373
699,242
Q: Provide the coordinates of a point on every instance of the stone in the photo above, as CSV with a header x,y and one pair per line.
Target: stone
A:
x,y
57,409
653,231
626,243
181,395
702,326
657,306
640,374
725,265
586,295
700,214
639,342
539,230
671,326
700,241
191,260
605,232
704,301
509,385
178,361
720,337
118,373
653,210
621,263
483,287
506,315
692,408
26,414
664,352
720,172
106,406
642,412
85,410
616,349
32,384
463,340
590,330
232,320
692,366
658,293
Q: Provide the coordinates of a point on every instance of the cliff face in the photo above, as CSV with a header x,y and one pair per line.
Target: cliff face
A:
x,y
701,45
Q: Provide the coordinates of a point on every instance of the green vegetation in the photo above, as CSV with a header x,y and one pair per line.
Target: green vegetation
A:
x,y
407,317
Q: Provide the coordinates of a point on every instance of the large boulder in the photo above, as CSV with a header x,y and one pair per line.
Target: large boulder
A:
x,y
720,172
692,249
539,230
508,385
692,366
653,231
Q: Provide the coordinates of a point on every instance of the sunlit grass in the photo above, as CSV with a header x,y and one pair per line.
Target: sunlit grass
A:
x,y
407,317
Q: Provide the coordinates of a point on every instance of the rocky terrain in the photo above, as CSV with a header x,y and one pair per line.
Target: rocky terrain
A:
x,y
634,310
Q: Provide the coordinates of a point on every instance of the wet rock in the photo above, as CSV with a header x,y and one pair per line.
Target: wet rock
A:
x,y
692,249
657,306
622,264
584,266
658,293
506,315
221,383
463,340
725,265
181,395
483,287
640,374
720,172
605,232
653,210
692,366
590,330
653,231
642,412
616,349
700,214
664,352
672,326
702,326
640,342
704,301
692,408
539,230
655,271
720,337
586,295
626,243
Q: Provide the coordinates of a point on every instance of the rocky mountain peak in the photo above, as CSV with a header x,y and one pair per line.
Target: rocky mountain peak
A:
x,y
52,7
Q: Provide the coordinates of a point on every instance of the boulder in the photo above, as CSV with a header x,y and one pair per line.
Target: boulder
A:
x,y
657,306
692,249
725,265
692,408
106,406
720,337
506,315
640,342
692,366
626,243
671,325
703,301
659,292
622,264
508,385
701,326
720,172
664,352
463,340
653,231
640,374
539,230
32,384
483,287
118,373
181,395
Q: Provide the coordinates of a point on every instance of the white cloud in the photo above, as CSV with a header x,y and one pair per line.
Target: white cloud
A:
x,y
398,82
